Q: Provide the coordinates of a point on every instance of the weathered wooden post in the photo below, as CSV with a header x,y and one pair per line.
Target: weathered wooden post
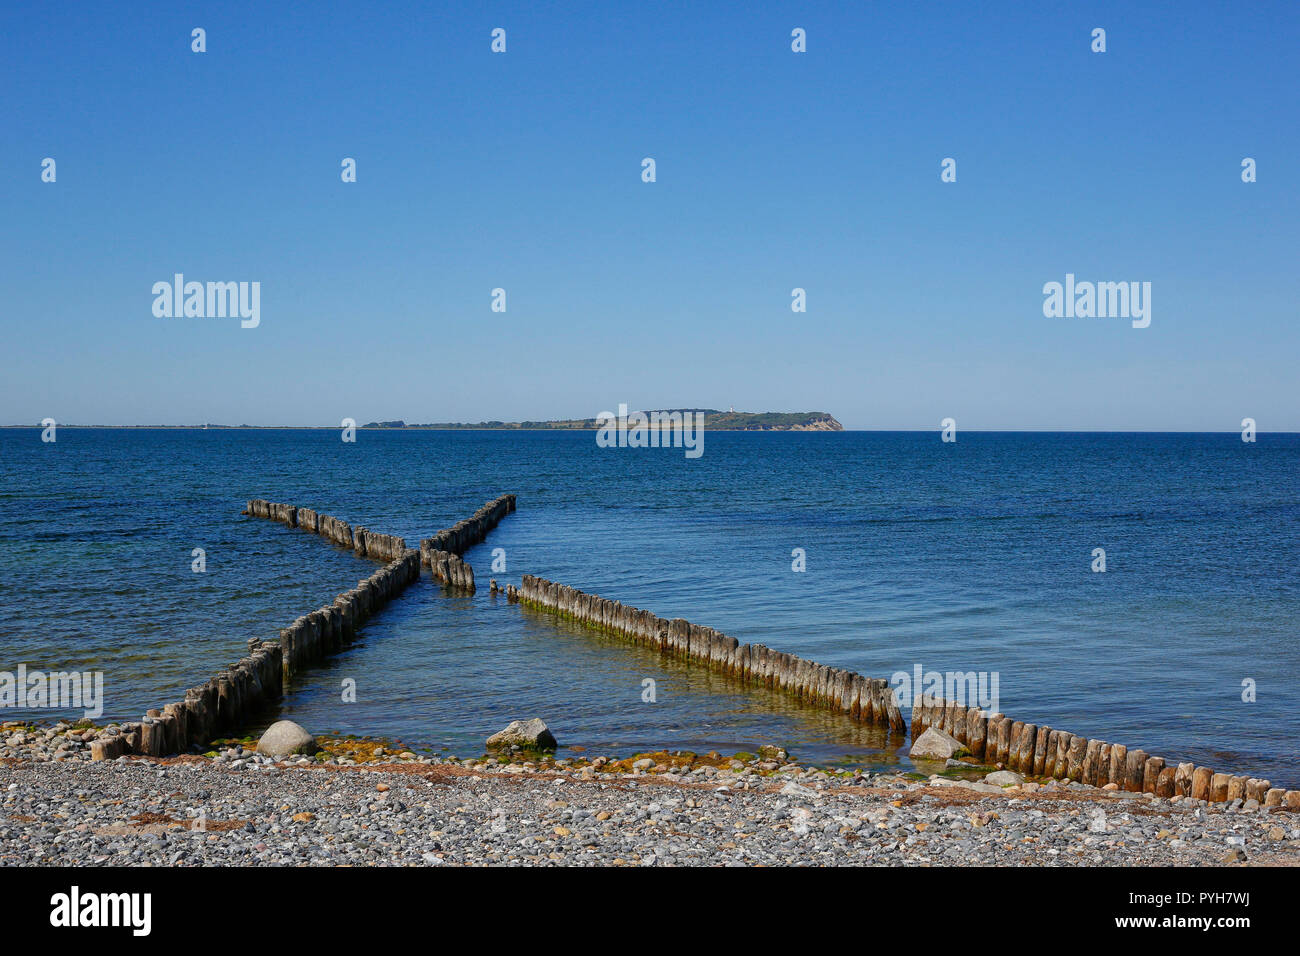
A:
x,y
1091,756
1151,773
1135,770
1219,788
1201,783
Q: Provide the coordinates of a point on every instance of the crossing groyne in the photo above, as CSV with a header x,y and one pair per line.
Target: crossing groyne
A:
x,y
865,699
233,697
466,533
1041,751
441,553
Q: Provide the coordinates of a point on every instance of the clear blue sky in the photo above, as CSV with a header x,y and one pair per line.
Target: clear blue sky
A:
x,y
775,170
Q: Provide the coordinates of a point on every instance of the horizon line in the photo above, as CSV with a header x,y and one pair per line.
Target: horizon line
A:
x,y
473,428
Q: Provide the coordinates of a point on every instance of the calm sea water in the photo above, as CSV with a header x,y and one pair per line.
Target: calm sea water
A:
x,y
972,556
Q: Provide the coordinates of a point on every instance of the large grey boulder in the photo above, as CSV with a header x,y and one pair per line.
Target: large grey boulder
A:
x,y
1004,778
524,734
934,744
285,737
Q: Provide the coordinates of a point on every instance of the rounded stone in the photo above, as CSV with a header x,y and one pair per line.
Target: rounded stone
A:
x,y
285,737
526,734
935,744
1004,778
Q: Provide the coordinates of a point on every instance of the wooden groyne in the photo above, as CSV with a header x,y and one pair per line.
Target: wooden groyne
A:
x,y
327,630
861,698
466,533
1026,748
1038,750
366,544
232,698
441,554
219,706
449,569
235,696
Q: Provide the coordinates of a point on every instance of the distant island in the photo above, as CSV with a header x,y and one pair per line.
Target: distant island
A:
x,y
714,420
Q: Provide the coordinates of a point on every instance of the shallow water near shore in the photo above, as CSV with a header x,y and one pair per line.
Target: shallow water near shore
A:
x,y
972,556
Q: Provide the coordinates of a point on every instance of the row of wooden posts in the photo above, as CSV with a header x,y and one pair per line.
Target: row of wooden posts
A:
x,y
1022,747
441,553
232,698
449,569
1040,751
366,544
466,533
861,698
327,630
219,706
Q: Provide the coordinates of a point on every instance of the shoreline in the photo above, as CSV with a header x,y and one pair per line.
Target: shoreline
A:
x,y
240,808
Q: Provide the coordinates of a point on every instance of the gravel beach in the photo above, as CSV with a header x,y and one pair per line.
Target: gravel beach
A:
x,y
242,809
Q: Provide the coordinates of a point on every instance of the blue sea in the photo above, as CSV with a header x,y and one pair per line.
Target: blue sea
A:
x,y
968,556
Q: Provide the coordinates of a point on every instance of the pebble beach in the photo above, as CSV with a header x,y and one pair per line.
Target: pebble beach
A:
x,y
360,804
